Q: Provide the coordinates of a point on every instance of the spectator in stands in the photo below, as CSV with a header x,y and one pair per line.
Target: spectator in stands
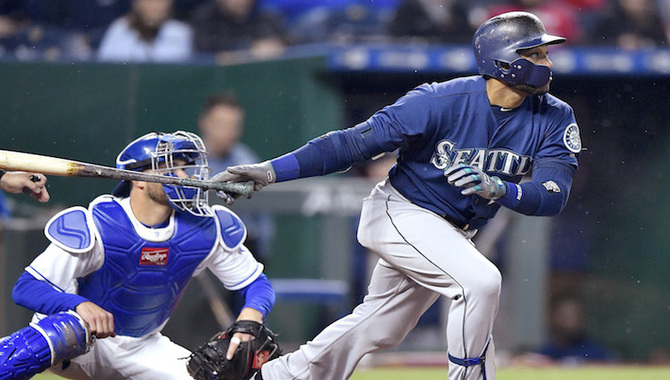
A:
x,y
147,34
234,25
343,21
436,21
568,340
559,17
11,18
183,9
630,24
51,30
221,124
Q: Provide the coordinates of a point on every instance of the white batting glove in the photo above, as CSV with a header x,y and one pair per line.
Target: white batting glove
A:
x,y
475,181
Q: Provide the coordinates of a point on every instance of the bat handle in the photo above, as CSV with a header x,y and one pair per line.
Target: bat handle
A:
x,y
242,188
246,188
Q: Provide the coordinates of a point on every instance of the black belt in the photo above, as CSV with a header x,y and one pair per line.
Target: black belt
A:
x,y
461,226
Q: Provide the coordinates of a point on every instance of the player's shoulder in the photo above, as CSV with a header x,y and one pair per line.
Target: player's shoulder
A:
x,y
456,86
232,230
73,229
553,102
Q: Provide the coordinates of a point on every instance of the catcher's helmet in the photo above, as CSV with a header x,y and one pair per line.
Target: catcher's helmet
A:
x,y
496,44
154,149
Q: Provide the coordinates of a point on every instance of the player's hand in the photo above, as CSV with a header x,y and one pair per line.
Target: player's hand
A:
x,y
249,314
100,321
33,184
262,174
475,181
235,342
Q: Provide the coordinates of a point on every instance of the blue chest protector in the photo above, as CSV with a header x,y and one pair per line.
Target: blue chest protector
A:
x,y
141,282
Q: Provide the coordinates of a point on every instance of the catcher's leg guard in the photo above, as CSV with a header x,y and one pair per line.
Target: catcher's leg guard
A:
x,y
467,362
37,347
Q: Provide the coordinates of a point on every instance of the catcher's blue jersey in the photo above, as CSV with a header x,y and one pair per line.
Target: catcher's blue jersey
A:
x,y
441,124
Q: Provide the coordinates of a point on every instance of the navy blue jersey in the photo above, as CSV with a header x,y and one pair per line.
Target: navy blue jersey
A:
x,y
441,124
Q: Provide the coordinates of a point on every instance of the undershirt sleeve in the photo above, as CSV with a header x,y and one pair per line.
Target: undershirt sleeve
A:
x,y
259,295
42,297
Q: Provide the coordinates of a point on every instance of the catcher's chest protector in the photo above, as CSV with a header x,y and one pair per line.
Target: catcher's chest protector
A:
x,y
141,282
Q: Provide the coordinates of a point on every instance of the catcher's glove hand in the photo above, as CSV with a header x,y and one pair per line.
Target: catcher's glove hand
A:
x,y
208,362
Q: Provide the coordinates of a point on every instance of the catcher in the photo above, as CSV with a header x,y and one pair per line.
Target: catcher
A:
x,y
122,265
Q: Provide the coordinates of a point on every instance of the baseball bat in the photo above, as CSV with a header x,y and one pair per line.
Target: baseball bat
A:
x,y
11,160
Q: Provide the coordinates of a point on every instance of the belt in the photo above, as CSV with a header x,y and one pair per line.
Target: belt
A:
x,y
461,226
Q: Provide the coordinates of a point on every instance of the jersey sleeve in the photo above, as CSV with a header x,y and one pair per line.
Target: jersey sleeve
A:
x,y
236,268
562,139
393,127
409,118
61,268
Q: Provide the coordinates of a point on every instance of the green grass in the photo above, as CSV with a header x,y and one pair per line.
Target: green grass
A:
x,y
553,373
550,373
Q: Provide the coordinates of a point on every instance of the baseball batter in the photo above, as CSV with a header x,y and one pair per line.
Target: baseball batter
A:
x,y
464,146
122,265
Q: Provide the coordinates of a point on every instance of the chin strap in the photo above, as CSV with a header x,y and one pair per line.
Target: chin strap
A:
x,y
468,362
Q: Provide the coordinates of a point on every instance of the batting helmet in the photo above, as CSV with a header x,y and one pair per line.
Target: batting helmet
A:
x,y
159,152
497,42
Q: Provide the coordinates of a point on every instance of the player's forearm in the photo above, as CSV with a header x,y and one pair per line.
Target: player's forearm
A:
x,y
546,195
41,297
259,295
333,152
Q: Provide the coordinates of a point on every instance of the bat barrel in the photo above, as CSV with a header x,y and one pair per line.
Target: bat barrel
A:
x,y
10,160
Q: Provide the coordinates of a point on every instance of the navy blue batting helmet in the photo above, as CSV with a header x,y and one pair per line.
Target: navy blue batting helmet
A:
x,y
164,153
497,42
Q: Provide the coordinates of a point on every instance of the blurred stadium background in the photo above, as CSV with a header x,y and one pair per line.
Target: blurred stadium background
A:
x,y
609,248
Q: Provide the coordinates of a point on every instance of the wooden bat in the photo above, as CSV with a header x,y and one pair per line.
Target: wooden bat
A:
x,y
10,160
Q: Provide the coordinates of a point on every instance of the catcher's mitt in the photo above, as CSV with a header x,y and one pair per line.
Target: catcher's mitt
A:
x,y
208,362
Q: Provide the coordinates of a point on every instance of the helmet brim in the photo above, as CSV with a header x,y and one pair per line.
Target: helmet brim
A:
x,y
545,39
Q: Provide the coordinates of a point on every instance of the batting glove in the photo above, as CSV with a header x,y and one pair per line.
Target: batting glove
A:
x,y
262,174
475,181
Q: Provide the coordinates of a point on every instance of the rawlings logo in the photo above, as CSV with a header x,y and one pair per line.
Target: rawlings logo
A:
x,y
154,256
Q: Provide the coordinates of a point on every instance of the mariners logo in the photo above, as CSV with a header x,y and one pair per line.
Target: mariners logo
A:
x,y
571,138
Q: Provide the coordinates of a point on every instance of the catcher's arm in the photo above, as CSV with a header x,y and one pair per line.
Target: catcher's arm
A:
x,y
247,314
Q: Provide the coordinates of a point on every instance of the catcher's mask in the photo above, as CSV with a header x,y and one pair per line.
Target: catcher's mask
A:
x,y
164,153
497,43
